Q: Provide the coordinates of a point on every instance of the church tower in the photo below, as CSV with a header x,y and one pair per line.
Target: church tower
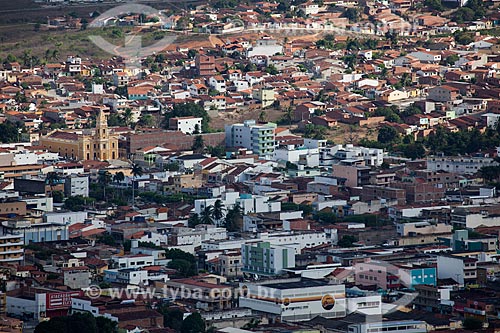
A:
x,y
102,138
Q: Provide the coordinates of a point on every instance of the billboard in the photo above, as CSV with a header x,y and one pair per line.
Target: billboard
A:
x,y
61,300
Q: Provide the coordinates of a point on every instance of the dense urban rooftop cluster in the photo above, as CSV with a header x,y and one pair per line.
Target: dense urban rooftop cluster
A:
x,y
318,166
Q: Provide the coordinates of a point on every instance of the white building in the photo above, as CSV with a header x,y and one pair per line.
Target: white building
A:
x,y
179,236
133,261
460,165
297,240
402,326
295,299
366,304
302,155
187,125
337,153
76,185
249,203
264,258
265,47
461,269
259,138
218,83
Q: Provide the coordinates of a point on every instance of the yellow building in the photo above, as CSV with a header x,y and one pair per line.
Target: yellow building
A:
x,y
87,144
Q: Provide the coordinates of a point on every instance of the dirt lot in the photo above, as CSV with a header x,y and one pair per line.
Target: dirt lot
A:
x,y
223,118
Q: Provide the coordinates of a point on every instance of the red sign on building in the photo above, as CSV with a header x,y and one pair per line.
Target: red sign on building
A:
x,y
61,300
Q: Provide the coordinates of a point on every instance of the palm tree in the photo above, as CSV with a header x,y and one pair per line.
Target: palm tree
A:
x,y
136,172
52,179
118,177
104,179
233,220
206,215
127,116
289,115
194,220
218,210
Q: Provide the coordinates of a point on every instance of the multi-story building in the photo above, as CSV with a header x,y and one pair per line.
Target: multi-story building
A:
x,y
76,185
258,138
294,299
419,191
133,261
11,249
422,228
375,192
371,156
266,259
470,217
458,165
432,298
230,264
392,276
355,174
205,65
35,230
203,292
76,277
461,269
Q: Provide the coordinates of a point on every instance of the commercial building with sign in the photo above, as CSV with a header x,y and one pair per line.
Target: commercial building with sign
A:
x,y
295,299
38,303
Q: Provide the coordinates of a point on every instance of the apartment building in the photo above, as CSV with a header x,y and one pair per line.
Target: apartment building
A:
x,y
266,259
11,249
461,269
258,138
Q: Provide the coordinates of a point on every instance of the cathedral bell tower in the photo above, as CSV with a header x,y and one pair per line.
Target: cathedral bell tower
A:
x,y
102,138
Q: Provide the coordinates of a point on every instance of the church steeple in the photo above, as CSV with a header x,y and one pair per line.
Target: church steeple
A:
x,y
101,124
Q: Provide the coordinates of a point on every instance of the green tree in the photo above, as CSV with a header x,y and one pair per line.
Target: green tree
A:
x,y
198,144
58,196
387,135
77,203
352,14
182,266
119,177
128,116
262,116
347,241
271,69
451,59
194,323
104,179
172,317
462,37
434,5
77,323
472,323
146,120
105,325
414,150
